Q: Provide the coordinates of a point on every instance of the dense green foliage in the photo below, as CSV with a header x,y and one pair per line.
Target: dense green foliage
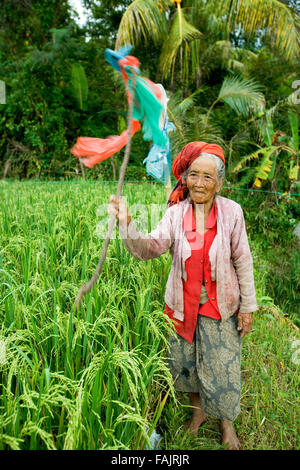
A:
x,y
45,59
270,223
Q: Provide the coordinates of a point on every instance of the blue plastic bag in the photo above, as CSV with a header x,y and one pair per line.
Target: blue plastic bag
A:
x,y
155,439
158,160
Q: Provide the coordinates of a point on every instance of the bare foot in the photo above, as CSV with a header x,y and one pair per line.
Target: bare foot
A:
x,y
192,425
228,435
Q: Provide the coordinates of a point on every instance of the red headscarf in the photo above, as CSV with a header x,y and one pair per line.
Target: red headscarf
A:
x,y
184,159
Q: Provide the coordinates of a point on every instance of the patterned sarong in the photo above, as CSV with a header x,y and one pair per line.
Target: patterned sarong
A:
x,y
210,366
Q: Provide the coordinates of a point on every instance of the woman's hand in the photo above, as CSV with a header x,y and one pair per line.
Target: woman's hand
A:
x,y
244,323
116,206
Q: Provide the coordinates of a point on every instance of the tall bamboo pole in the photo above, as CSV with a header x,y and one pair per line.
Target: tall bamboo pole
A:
x,y
85,289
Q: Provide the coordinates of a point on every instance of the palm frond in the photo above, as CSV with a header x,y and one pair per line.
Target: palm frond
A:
x,y
190,125
274,18
182,45
188,102
143,20
242,95
199,130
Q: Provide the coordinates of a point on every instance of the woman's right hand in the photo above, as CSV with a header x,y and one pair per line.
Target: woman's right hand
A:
x,y
116,206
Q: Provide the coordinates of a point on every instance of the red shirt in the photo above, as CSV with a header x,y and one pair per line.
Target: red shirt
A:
x,y
198,269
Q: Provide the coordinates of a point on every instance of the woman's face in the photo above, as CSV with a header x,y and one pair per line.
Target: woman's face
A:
x,y
202,180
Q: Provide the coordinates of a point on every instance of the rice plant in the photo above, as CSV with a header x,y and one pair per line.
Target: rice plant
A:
x,y
96,379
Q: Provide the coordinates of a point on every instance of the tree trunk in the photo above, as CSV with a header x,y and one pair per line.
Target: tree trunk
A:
x,y
82,169
6,167
113,168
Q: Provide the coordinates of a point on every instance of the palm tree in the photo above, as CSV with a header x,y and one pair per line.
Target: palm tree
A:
x,y
193,122
179,29
146,20
242,95
272,18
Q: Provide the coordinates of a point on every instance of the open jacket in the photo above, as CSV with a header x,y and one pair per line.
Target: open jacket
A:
x,y
229,255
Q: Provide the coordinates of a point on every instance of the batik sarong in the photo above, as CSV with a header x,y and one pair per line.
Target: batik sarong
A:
x,y
210,366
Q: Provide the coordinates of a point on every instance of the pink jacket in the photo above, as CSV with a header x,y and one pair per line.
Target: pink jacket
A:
x,y
230,257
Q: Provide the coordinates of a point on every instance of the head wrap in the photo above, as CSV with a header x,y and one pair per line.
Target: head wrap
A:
x,y
184,159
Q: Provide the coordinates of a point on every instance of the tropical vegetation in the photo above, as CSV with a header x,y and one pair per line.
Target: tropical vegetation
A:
x,y
97,378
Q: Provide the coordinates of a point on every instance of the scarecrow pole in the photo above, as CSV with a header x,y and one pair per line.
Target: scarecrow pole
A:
x,y
85,289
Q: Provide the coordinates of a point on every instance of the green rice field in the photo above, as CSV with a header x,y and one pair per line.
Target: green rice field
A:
x,y
98,378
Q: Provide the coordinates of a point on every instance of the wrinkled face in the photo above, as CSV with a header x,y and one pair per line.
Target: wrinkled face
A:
x,y
203,181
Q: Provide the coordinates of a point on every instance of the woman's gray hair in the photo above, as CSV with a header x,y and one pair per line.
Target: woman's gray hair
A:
x,y
219,164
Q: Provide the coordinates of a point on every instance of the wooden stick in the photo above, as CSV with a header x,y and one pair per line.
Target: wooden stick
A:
x,y
88,286
82,169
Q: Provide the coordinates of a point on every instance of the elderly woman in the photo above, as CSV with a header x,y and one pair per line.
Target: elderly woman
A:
x,y
210,294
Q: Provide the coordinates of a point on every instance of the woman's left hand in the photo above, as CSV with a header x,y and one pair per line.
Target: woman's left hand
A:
x,y
244,323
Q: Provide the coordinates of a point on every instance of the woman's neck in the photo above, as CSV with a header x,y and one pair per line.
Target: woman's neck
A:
x,y
201,212
207,207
